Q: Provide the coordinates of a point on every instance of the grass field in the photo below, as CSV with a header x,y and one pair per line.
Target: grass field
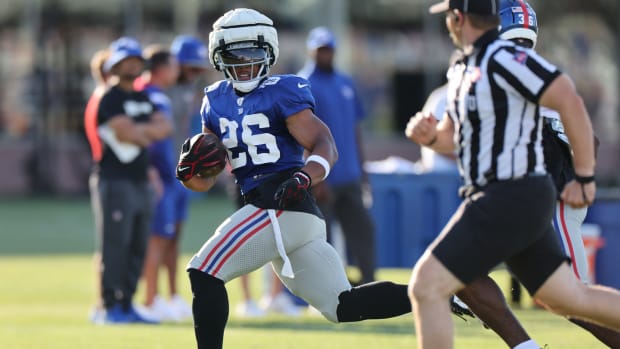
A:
x,y
46,290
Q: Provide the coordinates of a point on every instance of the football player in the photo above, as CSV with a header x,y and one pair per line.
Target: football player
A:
x,y
267,122
519,24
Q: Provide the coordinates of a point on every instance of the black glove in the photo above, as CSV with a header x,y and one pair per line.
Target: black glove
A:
x,y
293,190
195,153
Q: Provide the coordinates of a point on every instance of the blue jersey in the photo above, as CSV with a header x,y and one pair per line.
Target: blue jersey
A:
x,y
253,126
162,154
339,107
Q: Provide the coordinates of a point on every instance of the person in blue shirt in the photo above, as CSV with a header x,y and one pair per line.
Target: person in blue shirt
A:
x,y
267,123
191,54
340,196
171,204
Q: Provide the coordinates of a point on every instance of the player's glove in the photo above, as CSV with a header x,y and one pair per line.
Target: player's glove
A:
x,y
293,190
196,156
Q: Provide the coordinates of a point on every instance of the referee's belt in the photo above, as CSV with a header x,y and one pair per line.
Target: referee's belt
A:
x,y
470,189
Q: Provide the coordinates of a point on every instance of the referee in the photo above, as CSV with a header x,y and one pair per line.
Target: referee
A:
x,y
493,123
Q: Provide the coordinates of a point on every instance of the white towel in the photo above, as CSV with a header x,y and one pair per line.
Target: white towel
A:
x,y
287,268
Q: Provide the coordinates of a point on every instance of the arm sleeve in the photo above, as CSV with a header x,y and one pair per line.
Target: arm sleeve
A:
x,y
294,96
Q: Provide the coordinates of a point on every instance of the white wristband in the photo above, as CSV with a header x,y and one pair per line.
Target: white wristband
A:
x,y
321,161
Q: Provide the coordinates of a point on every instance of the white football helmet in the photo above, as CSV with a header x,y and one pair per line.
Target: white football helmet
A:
x,y
243,45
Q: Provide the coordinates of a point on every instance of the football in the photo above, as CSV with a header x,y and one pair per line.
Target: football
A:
x,y
213,154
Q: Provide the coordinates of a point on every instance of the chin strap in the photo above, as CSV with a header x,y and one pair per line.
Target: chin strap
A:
x,y
246,86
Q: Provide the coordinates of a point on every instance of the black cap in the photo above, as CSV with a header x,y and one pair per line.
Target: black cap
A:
x,y
479,7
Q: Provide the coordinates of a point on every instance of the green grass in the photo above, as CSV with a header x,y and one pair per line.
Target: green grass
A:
x,y
46,291
65,226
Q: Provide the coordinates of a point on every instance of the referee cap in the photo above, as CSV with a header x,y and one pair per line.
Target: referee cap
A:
x,y
320,37
121,49
479,7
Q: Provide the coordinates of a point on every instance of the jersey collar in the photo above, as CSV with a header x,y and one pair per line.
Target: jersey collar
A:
x,y
484,40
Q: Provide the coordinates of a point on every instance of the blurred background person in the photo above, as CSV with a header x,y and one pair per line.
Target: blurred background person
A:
x,y
430,160
182,97
186,95
248,308
340,196
127,123
100,77
161,72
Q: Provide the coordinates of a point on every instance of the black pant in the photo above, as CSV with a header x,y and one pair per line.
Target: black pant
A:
x,y
123,210
347,207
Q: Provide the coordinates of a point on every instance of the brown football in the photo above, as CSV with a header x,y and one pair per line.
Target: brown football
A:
x,y
213,155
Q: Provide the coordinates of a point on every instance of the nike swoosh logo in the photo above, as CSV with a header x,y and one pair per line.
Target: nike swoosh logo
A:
x,y
300,85
183,168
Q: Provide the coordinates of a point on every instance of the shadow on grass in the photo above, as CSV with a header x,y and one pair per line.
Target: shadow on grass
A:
x,y
320,324
397,326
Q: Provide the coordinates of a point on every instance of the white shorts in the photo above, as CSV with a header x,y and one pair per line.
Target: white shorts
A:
x,y
567,222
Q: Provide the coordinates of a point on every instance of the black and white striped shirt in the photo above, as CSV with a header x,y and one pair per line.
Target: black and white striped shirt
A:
x,y
493,102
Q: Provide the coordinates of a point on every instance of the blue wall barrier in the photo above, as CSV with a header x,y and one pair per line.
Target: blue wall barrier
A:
x,y
606,214
409,212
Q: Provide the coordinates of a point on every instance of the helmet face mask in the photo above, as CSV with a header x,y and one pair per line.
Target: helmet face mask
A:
x,y
527,43
518,21
243,63
243,45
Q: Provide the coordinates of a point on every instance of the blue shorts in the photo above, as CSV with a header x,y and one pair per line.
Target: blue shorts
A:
x,y
170,209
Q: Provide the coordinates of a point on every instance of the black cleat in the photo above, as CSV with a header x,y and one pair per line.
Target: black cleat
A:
x,y
460,309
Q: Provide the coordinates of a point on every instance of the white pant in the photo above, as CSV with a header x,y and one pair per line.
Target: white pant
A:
x,y
567,222
245,242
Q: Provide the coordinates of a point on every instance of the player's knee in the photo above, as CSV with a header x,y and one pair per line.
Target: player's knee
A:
x,y
417,291
202,282
554,305
348,307
569,302
420,287
425,285
376,300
